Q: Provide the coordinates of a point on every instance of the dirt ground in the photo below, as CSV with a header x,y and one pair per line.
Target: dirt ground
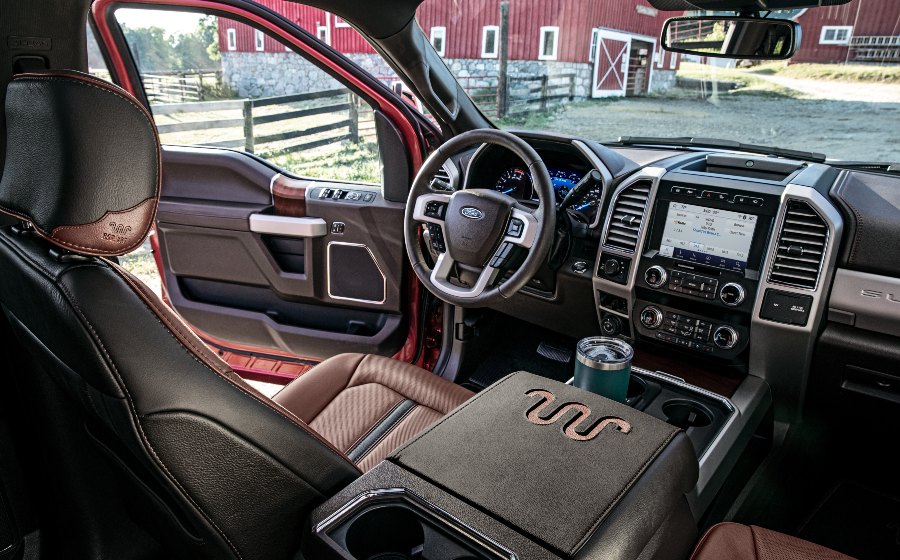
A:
x,y
841,129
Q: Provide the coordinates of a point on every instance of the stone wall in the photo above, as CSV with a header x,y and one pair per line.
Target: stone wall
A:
x,y
267,74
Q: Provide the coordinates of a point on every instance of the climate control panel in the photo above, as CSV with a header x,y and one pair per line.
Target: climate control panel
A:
x,y
728,292
705,335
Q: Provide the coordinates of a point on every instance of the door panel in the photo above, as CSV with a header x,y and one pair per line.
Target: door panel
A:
x,y
295,290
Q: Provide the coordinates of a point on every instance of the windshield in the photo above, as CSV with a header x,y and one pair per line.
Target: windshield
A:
x,y
594,69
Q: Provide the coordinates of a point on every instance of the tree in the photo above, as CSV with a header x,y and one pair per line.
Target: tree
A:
x,y
156,51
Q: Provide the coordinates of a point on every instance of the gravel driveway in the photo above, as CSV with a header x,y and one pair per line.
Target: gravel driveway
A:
x,y
849,130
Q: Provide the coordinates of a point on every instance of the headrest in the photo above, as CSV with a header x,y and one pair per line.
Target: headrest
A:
x,y
82,162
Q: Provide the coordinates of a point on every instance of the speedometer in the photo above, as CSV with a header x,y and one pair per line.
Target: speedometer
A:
x,y
515,182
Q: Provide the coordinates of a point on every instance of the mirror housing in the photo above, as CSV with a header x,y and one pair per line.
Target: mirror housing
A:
x,y
732,37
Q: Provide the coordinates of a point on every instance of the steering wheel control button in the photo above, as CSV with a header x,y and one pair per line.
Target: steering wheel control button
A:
x,y
501,256
655,276
725,337
515,228
732,294
435,209
651,317
785,307
437,238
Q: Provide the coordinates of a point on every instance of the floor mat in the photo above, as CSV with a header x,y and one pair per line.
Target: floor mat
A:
x,y
513,346
856,521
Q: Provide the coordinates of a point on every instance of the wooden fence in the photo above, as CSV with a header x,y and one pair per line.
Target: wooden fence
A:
x,y
178,87
524,94
338,102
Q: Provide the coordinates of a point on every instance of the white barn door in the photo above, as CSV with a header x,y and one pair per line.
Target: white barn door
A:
x,y
611,64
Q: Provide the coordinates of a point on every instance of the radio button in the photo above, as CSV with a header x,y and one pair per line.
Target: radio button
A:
x,y
732,294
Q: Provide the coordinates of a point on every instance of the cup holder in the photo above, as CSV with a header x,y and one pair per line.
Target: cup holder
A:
x,y
686,414
636,388
389,532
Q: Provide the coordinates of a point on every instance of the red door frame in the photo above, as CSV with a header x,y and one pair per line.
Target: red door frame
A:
x,y
279,372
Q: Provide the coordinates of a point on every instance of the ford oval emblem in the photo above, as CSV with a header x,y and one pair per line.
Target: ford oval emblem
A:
x,y
472,213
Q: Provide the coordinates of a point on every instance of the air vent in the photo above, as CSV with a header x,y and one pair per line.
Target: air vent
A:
x,y
441,181
627,215
801,247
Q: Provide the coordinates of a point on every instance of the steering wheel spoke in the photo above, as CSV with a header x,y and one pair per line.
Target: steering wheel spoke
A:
x,y
431,208
444,267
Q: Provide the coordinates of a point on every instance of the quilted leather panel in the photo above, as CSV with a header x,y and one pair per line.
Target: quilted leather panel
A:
x,y
749,542
346,397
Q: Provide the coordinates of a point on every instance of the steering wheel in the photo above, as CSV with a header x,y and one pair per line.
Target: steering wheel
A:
x,y
479,228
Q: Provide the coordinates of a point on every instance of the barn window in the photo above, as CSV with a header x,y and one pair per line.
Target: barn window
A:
x,y
340,22
232,39
673,62
439,39
260,40
323,32
490,41
836,35
595,42
549,43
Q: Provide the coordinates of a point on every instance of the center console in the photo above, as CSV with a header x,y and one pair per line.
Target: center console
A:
x,y
528,468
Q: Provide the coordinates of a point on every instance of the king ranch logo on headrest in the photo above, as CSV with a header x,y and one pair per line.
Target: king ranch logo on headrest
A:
x,y
577,428
116,232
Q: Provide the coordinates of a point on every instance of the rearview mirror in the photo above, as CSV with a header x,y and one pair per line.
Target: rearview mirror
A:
x,y
732,37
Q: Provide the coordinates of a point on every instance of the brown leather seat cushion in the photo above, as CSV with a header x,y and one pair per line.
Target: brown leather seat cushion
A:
x,y
733,541
367,405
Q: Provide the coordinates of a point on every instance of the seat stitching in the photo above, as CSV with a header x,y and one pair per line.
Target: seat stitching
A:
x,y
163,320
136,416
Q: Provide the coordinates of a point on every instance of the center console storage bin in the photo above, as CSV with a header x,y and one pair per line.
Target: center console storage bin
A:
x,y
569,472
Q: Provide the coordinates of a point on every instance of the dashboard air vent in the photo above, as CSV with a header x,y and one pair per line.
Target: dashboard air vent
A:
x,y
441,181
627,215
801,247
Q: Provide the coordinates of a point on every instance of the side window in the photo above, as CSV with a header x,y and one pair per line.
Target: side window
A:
x,y
214,81
96,64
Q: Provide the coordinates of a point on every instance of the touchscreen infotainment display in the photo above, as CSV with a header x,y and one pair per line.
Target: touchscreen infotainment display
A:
x,y
708,236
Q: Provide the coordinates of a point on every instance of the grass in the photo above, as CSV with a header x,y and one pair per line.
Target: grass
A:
x,y
747,82
855,73
350,162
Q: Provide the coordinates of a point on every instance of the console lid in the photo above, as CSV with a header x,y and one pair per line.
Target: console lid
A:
x,y
570,469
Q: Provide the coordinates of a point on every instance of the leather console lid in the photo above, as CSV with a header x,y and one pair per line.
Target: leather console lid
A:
x,y
530,451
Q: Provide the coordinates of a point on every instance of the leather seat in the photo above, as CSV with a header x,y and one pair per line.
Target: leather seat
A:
x,y
734,541
367,406
151,445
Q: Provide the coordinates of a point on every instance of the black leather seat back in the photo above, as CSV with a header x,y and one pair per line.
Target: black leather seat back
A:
x,y
171,440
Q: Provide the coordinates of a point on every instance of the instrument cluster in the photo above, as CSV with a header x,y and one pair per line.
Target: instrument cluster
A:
x,y
516,182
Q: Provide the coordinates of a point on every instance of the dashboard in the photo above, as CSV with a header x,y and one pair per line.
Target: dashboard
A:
x,y
496,168
743,262
516,182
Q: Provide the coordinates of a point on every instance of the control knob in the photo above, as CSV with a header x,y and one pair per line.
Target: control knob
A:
x,y
725,337
611,325
732,294
611,267
651,317
655,276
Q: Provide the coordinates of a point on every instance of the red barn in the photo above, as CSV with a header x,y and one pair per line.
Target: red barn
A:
x,y
861,31
610,46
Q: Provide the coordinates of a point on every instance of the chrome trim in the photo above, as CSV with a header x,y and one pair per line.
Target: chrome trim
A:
x,y
664,377
419,208
781,354
742,294
378,266
626,291
288,226
434,512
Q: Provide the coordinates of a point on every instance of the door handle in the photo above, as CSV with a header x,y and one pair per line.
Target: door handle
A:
x,y
288,226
